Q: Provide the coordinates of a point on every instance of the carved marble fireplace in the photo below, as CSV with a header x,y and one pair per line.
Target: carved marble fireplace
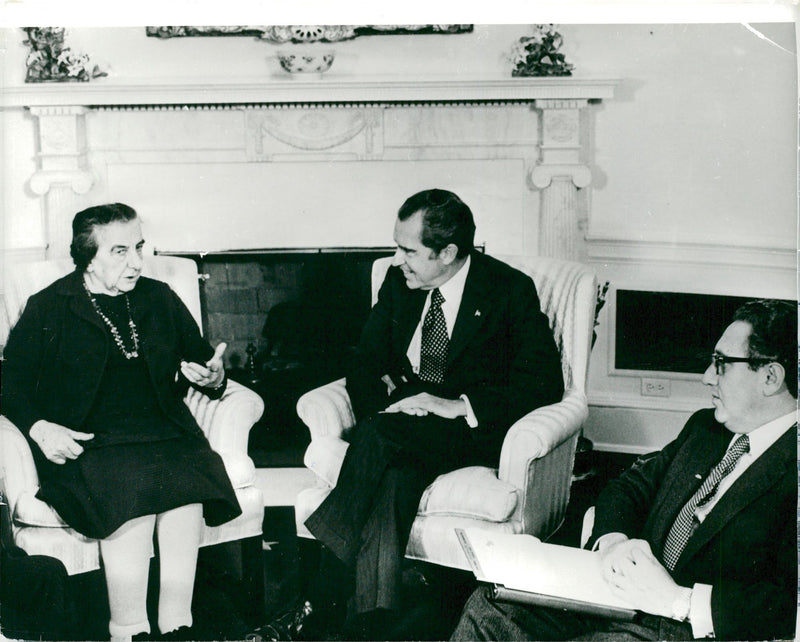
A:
x,y
303,164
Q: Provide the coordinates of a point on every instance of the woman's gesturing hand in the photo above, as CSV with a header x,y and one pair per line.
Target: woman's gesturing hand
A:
x,y
209,375
57,442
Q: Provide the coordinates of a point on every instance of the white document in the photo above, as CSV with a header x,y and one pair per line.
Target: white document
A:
x,y
526,564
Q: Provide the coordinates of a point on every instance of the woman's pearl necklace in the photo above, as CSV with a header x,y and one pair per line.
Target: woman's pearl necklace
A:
x,y
133,354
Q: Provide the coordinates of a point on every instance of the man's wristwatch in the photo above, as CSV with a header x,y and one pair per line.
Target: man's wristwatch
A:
x,y
682,604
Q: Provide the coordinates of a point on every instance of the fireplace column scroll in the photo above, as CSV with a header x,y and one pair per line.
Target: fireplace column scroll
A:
x,y
63,173
559,176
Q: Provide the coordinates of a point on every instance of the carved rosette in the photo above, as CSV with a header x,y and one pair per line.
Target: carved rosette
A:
x,y
62,150
560,128
63,173
354,131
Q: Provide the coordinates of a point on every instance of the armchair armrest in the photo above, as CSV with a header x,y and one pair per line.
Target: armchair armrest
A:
x,y
587,525
537,457
18,470
21,481
540,432
327,410
226,421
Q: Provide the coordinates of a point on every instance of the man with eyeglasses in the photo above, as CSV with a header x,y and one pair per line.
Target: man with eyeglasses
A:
x,y
700,537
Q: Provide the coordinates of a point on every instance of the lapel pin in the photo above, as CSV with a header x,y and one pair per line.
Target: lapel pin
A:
x,y
698,476
477,313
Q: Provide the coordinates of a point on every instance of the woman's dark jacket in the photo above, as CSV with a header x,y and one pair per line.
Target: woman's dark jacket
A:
x,y
57,353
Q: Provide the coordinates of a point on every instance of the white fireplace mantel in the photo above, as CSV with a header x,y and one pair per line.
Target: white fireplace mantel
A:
x,y
299,90
523,138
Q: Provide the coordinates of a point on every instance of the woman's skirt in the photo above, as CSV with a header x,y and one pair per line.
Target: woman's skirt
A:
x,y
107,486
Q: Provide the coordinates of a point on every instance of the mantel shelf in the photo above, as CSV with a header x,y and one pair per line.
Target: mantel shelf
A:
x,y
298,89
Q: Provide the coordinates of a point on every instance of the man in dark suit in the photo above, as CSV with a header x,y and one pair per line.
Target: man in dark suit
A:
x,y
455,350
699,537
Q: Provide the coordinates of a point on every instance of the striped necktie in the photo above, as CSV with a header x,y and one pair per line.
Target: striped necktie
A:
x,y
683,527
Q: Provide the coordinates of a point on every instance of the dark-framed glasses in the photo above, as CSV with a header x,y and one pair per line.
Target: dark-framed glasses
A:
x,y
719,360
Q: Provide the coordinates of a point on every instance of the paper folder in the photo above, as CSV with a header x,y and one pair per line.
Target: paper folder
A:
x,y
521,568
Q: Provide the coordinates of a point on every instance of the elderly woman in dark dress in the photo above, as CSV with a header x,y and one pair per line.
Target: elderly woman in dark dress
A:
x,y
94,375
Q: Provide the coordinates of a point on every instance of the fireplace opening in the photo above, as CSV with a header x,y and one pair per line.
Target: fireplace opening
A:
x,y
291,318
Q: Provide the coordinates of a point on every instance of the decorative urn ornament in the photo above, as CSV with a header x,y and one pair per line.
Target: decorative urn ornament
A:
x,y
299,62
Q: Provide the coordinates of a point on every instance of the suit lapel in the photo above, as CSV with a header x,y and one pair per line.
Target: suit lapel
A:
x,y
407,314
470,317
473,309
753,483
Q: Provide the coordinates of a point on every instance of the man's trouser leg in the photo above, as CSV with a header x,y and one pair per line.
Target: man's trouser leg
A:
x,y
379,562
338,521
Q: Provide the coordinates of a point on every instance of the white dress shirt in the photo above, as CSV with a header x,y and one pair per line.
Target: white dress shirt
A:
x,y
452,291
760,439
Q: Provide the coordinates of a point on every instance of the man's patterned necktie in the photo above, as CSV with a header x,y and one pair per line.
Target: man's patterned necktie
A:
x,y
433,352
683,527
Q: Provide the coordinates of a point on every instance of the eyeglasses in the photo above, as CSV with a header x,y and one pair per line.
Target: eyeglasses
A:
x,y
719,361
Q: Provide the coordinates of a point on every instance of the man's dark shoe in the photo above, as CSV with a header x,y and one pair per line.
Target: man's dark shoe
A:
x,y
288,626
414,580
371,625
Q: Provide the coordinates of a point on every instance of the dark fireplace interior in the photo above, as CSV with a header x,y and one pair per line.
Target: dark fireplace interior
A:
x,y
290,319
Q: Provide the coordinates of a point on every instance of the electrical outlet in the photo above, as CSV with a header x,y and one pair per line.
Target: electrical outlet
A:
x,y
655,387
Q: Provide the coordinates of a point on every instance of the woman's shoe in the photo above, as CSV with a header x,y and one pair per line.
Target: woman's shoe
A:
x,y
180,634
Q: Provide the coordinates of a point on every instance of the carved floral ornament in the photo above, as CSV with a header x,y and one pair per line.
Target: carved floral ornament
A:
x,y
281,34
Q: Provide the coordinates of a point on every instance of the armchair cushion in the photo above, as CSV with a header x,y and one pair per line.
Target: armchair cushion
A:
x,y
474,492
79,554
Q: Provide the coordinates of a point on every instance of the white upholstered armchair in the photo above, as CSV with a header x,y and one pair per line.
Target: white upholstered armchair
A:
x,y
529,491
226,422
